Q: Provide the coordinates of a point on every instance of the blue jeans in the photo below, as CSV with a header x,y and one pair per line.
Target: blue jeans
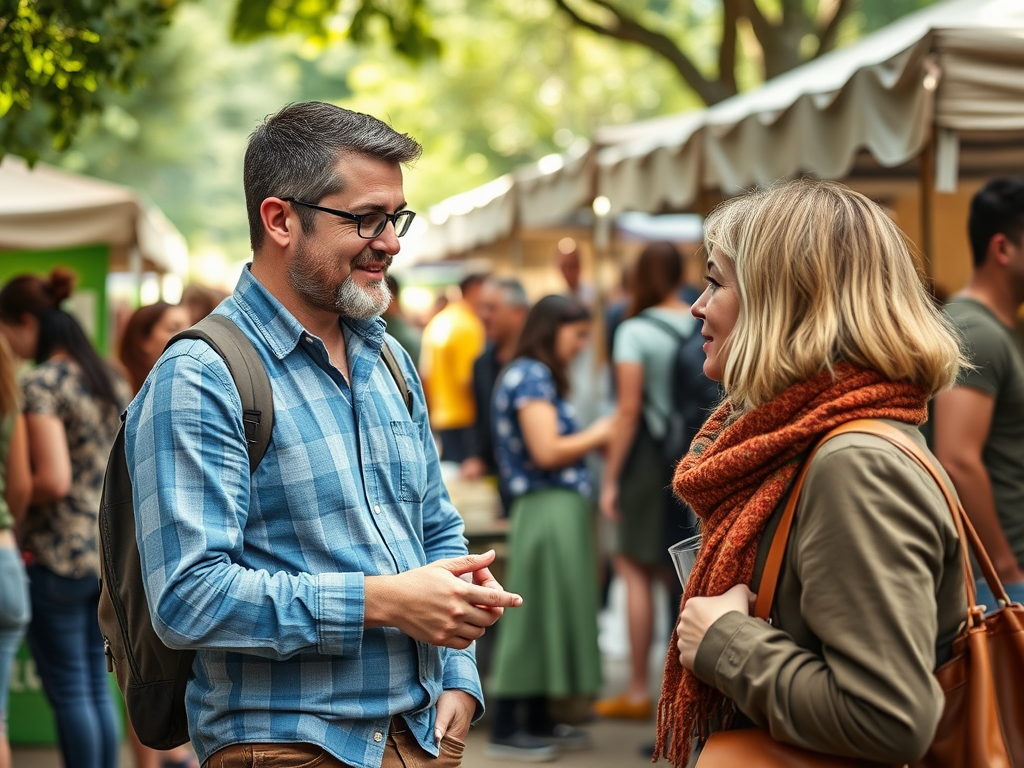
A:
x,y
988,599
14,616
65,640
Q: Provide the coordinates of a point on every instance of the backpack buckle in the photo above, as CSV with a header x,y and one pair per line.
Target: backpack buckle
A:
x,y
251,422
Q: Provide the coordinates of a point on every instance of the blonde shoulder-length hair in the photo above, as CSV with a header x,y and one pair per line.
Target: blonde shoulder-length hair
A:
x,y
824,276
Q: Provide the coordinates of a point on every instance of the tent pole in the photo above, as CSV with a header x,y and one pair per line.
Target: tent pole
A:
x,y
926,190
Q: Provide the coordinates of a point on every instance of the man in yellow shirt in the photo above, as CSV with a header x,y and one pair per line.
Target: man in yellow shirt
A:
x,y
452,340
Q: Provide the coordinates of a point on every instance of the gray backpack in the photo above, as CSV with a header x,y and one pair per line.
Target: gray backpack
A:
x,y
151,676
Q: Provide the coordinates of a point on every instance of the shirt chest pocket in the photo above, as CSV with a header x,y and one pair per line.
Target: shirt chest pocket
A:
x,y
411,460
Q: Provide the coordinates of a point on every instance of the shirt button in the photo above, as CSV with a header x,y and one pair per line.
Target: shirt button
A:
x,y
309,339
378,736
376,508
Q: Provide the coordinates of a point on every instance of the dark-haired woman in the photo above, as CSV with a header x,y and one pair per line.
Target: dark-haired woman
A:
x,y
146,334
72,400
634,488
548,647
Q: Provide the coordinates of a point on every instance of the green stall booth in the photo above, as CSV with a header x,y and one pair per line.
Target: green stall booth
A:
x,y
48,219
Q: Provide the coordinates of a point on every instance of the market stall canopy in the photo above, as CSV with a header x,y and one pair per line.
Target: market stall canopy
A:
x,y
43,207
537,195
952,70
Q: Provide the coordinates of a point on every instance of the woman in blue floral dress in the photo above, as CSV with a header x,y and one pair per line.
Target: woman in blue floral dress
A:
x,y
548,647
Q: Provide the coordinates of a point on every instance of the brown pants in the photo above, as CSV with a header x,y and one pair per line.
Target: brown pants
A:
x,y
401,751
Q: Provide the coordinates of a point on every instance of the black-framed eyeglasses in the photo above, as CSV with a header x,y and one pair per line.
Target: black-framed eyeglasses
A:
x,y
368,225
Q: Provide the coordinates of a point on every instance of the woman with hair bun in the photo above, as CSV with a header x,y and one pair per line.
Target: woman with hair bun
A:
x,y
72,400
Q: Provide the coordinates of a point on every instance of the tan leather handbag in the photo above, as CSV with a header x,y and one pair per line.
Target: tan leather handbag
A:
x,y
982,722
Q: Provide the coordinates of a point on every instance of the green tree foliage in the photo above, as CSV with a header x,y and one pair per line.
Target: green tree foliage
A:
x,y
513,81
60,58
511,84
773,35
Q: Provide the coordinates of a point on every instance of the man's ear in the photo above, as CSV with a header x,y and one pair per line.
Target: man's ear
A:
x,y
279,221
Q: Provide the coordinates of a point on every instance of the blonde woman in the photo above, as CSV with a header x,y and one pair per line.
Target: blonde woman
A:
x,y
814,315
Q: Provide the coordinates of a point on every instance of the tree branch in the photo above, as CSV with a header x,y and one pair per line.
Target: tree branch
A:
x,y
630,30
827,32
731,12
763,28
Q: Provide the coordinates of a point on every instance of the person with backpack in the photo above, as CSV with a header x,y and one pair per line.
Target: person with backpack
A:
x,y
71,401
641,454
329,596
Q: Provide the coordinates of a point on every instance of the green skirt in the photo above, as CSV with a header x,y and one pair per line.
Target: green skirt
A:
x,y
548,645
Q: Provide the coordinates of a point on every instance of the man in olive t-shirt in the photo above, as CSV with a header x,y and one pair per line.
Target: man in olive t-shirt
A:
x,y
978,430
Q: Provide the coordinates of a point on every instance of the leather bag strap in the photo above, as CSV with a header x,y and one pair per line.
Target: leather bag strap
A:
x,y
968,536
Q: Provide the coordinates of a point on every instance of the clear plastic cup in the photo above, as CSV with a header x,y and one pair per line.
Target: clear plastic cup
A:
x,y
684,554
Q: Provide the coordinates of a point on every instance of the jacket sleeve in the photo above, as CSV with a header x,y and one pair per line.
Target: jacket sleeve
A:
x,y
867,548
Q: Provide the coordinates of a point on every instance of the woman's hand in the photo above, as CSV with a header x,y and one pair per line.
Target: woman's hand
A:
x,y
609,501
600,431
699,613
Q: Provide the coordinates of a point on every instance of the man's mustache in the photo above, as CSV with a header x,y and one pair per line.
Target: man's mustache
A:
x,y
373,257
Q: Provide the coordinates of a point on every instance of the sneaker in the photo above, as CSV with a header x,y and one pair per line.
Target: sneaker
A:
x,y
523,747
567,738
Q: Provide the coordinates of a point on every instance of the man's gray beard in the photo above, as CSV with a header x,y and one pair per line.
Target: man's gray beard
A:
x,y
349,300
362,303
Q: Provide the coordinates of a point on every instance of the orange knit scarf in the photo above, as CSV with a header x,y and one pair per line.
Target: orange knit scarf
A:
x,y
734,476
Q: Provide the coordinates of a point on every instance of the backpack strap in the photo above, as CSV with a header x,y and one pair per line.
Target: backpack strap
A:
x,y
680,340
249,374
678,336
396,373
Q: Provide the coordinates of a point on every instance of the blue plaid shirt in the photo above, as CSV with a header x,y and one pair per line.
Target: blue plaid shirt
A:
x,y
265,578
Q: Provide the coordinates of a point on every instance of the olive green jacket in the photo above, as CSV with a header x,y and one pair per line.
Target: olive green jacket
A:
x,y
870,597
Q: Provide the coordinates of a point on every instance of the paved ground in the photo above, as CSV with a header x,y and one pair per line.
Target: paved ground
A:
x,y
617,744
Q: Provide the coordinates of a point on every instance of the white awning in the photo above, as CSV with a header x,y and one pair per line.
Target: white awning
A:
x,y
956,65
537,195
44,207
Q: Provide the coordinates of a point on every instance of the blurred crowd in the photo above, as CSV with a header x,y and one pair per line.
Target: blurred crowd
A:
x,y
567,405
481,354
570,405
59,420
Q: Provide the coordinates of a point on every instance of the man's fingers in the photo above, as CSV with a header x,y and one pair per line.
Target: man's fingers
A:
x,y
467,563
493,598
484,578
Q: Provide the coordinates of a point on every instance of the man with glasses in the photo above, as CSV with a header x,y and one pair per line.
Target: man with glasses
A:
x,y
330,597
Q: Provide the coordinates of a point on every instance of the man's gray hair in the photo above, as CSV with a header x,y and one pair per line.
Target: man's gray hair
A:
x,y
293,154
512,291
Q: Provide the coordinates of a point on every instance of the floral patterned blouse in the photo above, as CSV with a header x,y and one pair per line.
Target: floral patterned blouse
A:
x,y
524,380
62,535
